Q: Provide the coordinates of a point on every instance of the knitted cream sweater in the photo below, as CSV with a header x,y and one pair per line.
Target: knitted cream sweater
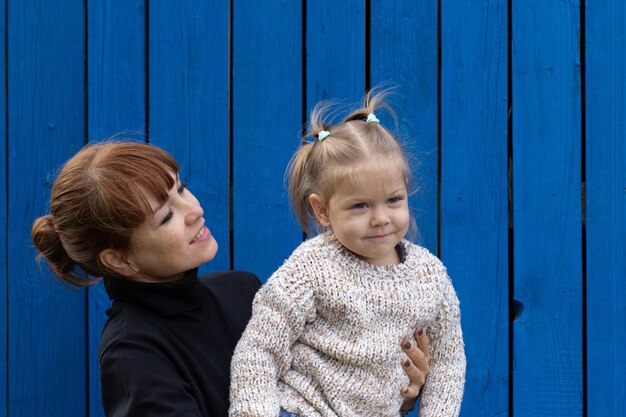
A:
x,y
325,335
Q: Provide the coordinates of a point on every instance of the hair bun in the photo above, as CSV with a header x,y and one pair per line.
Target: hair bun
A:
x,y
48,243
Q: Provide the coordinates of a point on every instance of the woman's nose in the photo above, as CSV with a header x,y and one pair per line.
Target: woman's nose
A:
x,y
194,212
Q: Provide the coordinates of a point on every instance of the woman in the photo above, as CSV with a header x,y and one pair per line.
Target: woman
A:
x,y
119,212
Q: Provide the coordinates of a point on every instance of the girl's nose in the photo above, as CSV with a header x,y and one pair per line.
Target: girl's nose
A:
x,y
379,217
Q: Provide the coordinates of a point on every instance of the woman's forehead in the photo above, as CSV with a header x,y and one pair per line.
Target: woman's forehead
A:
x,y
151,197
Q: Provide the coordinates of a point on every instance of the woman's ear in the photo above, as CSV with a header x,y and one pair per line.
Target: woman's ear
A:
x,y
320,209
116,261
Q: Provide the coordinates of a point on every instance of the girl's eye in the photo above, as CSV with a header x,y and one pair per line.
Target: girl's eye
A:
x,y
394,200
360,206
167,218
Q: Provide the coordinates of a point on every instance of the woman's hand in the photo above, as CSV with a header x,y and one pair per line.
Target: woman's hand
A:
x,y
416,367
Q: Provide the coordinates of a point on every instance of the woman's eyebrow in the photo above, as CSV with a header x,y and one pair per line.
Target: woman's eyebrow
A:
x,y
159,206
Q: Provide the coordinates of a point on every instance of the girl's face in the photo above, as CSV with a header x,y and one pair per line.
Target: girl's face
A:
x,y
171,241
369,216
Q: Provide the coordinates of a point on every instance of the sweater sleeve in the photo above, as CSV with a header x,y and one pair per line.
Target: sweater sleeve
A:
x,y
280,311
138,380
443,391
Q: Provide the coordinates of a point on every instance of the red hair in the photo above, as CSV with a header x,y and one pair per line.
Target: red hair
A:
x,y
97,200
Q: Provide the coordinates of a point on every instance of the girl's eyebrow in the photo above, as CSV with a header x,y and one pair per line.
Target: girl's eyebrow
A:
x,y
399,190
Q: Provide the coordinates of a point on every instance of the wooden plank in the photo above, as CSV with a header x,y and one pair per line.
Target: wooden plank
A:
x,y
116,48
335,52
46,332
403,53
116,90
547,377
606,206
474,185
188,105
267,120
4,237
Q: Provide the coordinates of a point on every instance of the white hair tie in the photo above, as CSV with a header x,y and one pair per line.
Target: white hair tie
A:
x,y
371,118
323,135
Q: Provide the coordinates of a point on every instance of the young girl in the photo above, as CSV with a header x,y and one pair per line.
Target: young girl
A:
x,y
323,338
119,211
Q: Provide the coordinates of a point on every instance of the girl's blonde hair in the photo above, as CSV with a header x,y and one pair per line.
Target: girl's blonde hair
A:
x,y
97,200
339,154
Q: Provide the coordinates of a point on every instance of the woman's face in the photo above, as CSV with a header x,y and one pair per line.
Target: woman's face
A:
x,y
173,240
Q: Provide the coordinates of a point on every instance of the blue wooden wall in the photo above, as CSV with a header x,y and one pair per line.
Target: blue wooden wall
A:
x,y
513,110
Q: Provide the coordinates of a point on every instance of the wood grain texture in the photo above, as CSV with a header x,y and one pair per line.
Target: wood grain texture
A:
x,y
547,215
116,69
47,322
606,206
474,184
267,121
181,96
4,237
188,104
335,52
403,54
116,103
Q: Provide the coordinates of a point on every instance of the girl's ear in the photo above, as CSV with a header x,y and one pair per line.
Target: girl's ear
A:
x,y
320,209
116,261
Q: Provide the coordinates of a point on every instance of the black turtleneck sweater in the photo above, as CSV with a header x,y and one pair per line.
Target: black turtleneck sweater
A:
x,y
166,348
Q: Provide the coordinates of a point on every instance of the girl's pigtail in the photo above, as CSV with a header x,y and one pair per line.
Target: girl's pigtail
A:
x,y
299,184
301,173
48,243
373,101
319,130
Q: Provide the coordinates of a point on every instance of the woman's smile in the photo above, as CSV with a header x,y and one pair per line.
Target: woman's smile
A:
x,y
174,240
202,235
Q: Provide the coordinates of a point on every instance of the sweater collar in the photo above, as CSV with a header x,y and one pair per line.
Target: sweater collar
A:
x,y
342,257
164,299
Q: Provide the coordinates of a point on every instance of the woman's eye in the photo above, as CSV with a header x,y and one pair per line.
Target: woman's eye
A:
x,y
182,187
167,217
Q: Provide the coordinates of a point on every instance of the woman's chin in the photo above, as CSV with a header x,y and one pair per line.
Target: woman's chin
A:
x,y
211,251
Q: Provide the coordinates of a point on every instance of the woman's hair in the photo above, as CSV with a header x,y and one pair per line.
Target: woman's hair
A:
x,y
97,200
331,154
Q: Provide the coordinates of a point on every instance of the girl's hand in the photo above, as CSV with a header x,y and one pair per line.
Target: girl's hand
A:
x,y
416,367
